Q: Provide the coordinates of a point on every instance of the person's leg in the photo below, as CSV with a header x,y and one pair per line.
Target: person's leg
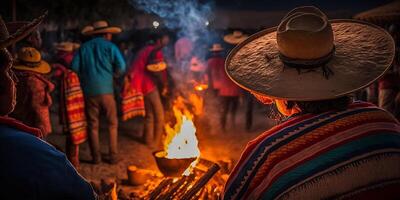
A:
x,y
225,109
158,119
386,99
148,135
93,109
249,112
235,104
110,108
72,152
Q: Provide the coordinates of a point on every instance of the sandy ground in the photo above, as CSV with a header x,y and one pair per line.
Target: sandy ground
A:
x,y
214,145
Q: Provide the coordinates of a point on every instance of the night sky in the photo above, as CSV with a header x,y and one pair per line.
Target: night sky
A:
x,y
63,10
266,5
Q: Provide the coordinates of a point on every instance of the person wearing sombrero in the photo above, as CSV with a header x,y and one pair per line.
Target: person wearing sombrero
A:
x,y
97,62
233,39
33,90
71,100
30,167
148,76
328,146
227,91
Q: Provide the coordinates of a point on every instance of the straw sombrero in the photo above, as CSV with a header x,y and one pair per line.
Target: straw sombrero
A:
x,y
235,38
100,27
216,47
308,57
29,59
156,63
66,46
17,31
86,29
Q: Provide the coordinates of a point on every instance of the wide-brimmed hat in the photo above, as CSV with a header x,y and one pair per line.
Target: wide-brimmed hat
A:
x,y
156,62
308,57
235,38
29,59
86,29
12,32
66,46
102,26
216,47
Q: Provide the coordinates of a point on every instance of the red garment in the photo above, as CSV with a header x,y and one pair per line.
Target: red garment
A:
x,y
227,87
215,64
389,81
72,105
33,100
20,126
65,57
141,79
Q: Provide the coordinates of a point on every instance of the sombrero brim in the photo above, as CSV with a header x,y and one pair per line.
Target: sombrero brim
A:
x,y
364,52
230,39
112,30
216,49
21,30
64,49
157,67
43,67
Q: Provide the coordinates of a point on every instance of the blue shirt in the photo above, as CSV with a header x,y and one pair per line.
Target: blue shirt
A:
x,y
96,62
32,169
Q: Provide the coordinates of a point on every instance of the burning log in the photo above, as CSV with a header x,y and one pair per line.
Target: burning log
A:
x,y
183,189
173,188
164,183
201,182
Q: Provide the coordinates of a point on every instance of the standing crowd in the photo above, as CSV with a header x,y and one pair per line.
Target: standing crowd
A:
x,y
86,78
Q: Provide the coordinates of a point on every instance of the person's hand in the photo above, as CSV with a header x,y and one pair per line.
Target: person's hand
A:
x,y
164,91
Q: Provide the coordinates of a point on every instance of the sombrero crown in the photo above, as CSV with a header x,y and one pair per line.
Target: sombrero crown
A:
x,y
30,59
308,57
23,30
100,27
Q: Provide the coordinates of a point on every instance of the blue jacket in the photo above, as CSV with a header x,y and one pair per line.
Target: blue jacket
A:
x,y
32,169
96,63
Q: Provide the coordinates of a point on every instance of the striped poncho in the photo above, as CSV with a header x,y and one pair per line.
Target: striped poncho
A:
x,y
352,154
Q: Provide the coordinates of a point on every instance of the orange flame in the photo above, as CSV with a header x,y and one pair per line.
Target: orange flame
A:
x,y
181,140
201,87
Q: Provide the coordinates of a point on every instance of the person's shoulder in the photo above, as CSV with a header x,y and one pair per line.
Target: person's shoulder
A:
x,y
29,143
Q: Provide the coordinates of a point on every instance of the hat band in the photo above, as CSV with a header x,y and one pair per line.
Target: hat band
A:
x,y
30,64
101,28
310,64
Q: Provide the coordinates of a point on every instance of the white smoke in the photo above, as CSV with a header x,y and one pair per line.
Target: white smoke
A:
x,y
188,16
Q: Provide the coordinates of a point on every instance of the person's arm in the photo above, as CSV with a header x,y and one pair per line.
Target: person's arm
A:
x,y
60,180
118,60
76,61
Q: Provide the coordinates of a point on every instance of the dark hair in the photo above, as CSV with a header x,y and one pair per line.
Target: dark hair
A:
x,y
316,107
158,35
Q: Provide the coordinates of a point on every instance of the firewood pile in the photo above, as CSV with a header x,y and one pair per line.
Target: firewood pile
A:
x,y
205,182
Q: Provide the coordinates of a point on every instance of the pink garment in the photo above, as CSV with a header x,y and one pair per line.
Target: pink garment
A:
x,y
141,79
215,64
183,49
225,85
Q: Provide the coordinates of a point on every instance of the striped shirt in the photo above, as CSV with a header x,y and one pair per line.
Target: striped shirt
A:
x,y
334,154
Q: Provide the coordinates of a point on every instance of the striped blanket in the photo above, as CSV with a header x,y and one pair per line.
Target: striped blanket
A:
x,y
74,107
132,102
349,154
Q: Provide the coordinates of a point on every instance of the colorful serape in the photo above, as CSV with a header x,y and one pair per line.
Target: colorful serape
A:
x,y
75,107
132,102
343,154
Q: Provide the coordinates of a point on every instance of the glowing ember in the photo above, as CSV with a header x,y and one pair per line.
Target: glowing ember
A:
x,y
181,140
201,87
